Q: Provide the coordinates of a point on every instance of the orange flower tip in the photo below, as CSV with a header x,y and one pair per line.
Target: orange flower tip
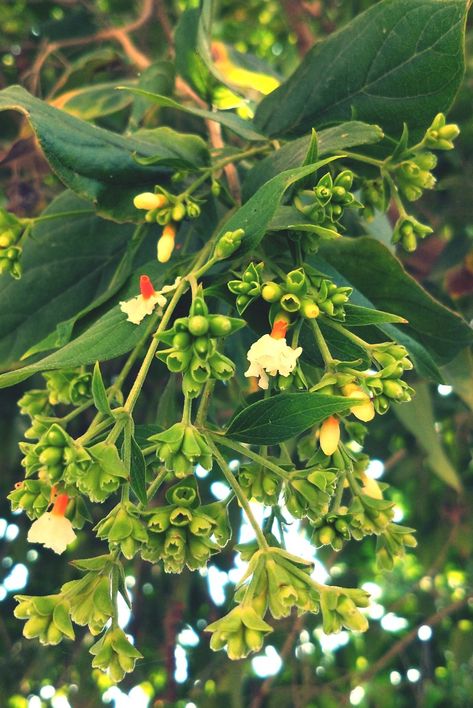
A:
x,y
60,504
19,485
146,287
279,330
169,231
330,435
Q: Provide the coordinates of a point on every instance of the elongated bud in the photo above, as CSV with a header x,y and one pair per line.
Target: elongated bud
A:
x,y
146,287
60,505
279,328
330,435
148,201
166,243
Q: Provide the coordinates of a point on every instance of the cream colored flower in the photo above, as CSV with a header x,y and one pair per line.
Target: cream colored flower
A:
x,y
53,529
137,308
271,356
166,243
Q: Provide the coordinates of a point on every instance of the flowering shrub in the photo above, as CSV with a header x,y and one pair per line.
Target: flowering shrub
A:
x,y
241,284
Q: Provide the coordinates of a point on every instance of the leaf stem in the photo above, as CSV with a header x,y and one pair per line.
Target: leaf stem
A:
x,y
348,334
322,344
232,481
237,447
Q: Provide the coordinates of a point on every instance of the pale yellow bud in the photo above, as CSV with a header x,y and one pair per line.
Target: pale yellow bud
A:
x,y
166,243
330,435
148,201
365,409
371,488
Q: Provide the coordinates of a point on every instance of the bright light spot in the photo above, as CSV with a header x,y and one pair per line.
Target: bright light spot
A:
x,y
32,555
190,705
180,674
267,664
393,623
34,702
3,527
398,514
234,465
357,695
17,578
354,446
395,678
216,580
444,390
246,531
219,490
375,611
60,702
305,649
201,472
124,613
375,469
304,636
187,637
413,675
12,532
3,593
138,698
130,581
332,642
424,633
47,692
373,589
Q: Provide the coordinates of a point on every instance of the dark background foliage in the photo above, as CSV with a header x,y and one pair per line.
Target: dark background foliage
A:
x,y
418,648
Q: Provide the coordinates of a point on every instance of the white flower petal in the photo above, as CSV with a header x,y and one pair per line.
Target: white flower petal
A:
x,y
53,531
271,356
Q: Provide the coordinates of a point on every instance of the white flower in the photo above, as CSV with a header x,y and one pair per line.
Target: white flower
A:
x,y
53,530
271,356
145,303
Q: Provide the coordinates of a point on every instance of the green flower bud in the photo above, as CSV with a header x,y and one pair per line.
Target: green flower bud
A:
x,y
228,244
272,292
114,654
198,325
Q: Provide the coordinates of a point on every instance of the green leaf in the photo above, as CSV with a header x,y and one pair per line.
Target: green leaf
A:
x,y
358,316
243,128
99,393
68,263
417,417
369,267
293,153
109,337
95,163
138,472
459,374
189,61
93,102
283,416
158,77
256,214
400,61
288,218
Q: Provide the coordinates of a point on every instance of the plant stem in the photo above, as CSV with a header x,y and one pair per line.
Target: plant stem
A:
x,y
204,403
237,447
322,344
338,493
156,483
232,481
348,334
187,410
395,194
60,215
362,158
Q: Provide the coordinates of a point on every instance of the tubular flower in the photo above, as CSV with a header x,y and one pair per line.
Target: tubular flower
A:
x,y
148,201
330,435
271,355
364,410
53,529
137,308
166,243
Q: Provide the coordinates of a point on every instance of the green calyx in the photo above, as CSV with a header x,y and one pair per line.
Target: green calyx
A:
x,y
114,654
123,529
180,448
47,618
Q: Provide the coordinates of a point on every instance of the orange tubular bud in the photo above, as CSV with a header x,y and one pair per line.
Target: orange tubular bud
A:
x,y
146,287
330,435
149,201
166,243
60,505
281,323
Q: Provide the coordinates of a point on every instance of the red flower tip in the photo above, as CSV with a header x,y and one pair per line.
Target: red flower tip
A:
x,y
60,504
146,287
279,329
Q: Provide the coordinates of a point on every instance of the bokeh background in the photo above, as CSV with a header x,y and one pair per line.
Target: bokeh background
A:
x,y
419,648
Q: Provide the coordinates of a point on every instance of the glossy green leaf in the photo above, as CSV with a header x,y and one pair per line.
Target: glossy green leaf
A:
x,y
375,273
400,61
459,374
256,214
293,153
417,416
281,417
95,163
189,60
158,77
99,393
358,316
138,472
93,102
68,263
109,337
243,128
